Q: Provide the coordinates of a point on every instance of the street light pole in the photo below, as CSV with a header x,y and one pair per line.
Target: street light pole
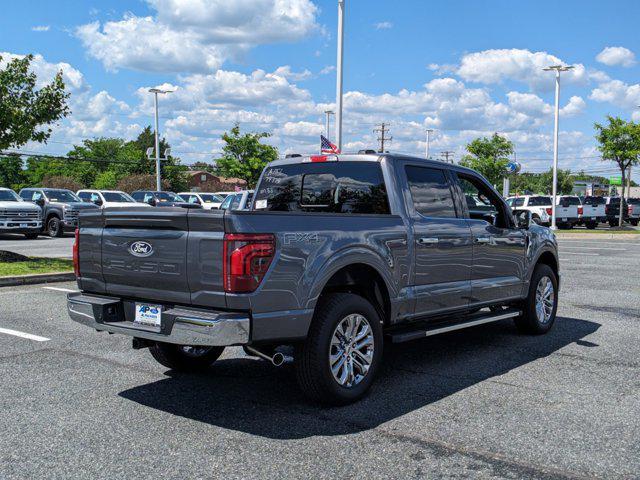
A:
x,y
155,92
339,74
554,188
328,113
429,130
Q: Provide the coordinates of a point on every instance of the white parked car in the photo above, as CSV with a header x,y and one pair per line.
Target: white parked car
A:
x,y
238,200
593,211
225,194
208,201
538,205
18,216
108,198
568,211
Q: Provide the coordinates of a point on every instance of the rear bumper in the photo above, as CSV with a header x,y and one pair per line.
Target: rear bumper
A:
x,y
180,325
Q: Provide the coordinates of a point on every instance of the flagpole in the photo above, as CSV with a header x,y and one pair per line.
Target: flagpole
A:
x,y
339,74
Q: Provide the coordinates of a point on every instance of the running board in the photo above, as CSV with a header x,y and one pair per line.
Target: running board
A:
x,y
414,333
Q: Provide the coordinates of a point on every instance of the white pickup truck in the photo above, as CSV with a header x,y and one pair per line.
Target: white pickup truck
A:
x,y
634,210
568,211
538,205
593,212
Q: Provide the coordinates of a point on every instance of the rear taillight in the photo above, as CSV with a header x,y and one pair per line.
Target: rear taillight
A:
x,y
76,254
580,210
630,209
247,257
549,211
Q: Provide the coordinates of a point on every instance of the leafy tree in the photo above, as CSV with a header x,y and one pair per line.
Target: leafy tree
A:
x,y
489,156
139,182
11,173
27,113
244,156
620,143
171,169
61,182
106,180
565,182
204,166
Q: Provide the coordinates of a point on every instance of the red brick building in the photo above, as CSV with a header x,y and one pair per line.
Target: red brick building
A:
x,y
202,181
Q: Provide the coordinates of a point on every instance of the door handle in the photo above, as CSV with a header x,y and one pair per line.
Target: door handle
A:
x,y
483,239
427,240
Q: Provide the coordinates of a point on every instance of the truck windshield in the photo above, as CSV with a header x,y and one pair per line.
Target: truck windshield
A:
x,y
210,198
570,200
168,197
335,187
61,196
117,197
8,196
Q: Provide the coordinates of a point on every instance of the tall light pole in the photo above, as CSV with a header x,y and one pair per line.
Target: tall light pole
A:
x,y
429,130
339,74
155,92
328,113
554,188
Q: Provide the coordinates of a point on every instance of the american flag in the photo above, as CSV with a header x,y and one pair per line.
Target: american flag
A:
x,y
326,146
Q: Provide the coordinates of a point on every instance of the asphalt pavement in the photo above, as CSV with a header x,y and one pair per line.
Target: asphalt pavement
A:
x,y
43,246
482,403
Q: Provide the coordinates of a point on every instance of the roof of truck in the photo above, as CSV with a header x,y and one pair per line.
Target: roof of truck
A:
x,y
360,157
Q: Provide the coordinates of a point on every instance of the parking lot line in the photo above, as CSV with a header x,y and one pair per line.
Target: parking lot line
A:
x,y
597,242
60,289
580,253
594,248
28,336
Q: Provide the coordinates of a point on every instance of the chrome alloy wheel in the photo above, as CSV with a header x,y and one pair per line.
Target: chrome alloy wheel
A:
x,y
351,351
545,299
195,351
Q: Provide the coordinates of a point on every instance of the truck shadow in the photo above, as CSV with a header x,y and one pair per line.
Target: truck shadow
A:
x,y
251,396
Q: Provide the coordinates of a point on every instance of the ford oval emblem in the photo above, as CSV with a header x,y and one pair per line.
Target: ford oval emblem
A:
x,y
141,249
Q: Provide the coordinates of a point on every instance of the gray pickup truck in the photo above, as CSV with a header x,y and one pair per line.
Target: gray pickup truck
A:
x,y
337,255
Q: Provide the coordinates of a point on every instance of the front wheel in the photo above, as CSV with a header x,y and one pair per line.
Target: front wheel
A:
x,y
539,308
339,360
185,358
634,222
54,227
591,225
31,236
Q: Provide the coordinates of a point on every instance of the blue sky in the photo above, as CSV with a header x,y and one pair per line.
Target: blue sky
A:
x,y
463,68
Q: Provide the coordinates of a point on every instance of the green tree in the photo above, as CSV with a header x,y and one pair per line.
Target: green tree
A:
x,y
171,169
489,156
244,156
204,166
565,182
620,143
11,173
26,113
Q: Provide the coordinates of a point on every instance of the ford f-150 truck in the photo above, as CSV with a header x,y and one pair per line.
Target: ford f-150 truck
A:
x,y
18,216
337,255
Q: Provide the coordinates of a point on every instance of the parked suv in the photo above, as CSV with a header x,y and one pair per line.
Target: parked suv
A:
x,y
60,208
538,205
18,216
340,254
162,199
207,200
108,198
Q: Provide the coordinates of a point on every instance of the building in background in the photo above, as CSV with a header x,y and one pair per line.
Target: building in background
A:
x,y
201,181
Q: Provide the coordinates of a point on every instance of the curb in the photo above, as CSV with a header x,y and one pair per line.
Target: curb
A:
x,y
37,278
604,236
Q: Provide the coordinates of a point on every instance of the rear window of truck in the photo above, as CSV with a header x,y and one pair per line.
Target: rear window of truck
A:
x,y
329,187
539,201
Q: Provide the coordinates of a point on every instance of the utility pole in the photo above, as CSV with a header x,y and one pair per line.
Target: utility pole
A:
x,y
446,154
383,131
554,189
429,130
339,62
155,92
328,114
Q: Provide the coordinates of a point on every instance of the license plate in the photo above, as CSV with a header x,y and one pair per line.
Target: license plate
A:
x,y
24,225
593,218
148,314
564,219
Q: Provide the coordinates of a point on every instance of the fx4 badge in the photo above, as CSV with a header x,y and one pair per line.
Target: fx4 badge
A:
x,y
141,249
290,238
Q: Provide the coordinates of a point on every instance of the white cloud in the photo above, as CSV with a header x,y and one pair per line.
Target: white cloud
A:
x,y
576,106
617,56
383,25
617,93
73,79
40,28
196,35
328,69
285,71
499,65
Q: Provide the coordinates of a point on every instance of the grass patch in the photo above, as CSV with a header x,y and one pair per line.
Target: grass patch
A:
x,y
35,265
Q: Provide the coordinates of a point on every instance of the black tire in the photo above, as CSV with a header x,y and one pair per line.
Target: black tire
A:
x,y
529,322
634,222
612,224
54,227
313,370
31,236
591,225
177,357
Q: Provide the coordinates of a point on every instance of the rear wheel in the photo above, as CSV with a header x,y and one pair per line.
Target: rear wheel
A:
x,y
591,225
634,222
185,358
613,224
539,308
339,360
54,227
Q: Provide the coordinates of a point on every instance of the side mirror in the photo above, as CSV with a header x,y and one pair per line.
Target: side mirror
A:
x,y
523,219
40,202
152,202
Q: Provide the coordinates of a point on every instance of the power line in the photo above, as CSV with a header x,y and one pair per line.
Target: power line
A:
x,y
447,154
383,130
